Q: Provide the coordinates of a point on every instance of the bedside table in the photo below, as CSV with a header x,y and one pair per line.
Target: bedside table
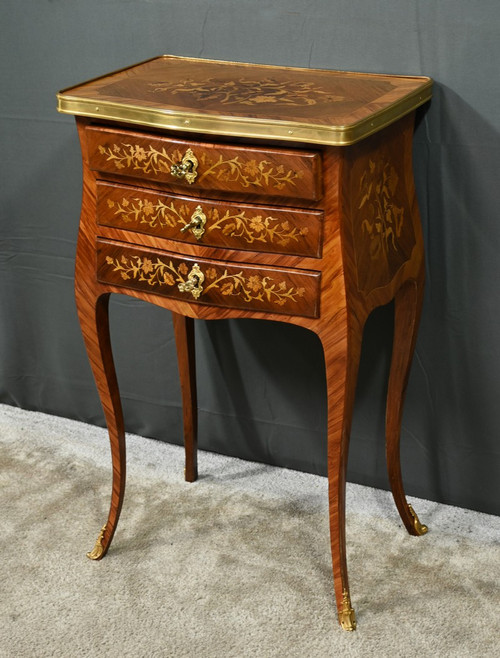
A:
x,y
225,190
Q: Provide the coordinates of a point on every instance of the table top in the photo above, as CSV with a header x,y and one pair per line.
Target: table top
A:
x,y
249,100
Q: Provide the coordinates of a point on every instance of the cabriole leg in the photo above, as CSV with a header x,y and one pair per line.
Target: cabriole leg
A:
x,y
94,322
407,309
342,352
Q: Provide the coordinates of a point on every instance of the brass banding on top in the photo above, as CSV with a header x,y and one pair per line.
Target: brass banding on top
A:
x,y
317,124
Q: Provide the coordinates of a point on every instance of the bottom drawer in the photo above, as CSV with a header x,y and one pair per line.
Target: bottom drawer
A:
x,y
216,283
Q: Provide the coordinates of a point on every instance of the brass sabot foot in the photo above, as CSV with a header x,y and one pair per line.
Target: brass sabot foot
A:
x,y
347,616
420,528
98,550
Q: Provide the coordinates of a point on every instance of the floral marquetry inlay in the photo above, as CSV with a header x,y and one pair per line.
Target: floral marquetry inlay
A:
x,y
251,228
382,217
260,173
256,228
251,173
383,223
249,92
253,288
132,156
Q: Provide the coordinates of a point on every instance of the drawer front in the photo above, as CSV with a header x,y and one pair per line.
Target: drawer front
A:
x,y
293,292
213,223
195,165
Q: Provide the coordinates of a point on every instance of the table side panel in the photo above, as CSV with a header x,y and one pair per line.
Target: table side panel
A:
x,y
382,224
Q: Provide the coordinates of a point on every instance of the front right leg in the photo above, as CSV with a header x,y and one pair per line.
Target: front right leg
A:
x,y
92,306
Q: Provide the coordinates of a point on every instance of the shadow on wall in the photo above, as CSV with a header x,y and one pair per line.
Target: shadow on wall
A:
x,y
452,413
263,385
266,380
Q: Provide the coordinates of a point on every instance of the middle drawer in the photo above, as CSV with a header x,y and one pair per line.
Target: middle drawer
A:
x,y
211,223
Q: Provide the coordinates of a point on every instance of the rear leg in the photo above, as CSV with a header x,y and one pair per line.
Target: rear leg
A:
x,y
184,338
407,309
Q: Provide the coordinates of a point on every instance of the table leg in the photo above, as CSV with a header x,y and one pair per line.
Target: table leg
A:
x,y
342,349
407,308
184,338
94,322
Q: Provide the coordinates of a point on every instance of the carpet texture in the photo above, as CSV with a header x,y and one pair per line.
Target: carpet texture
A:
x,y
236,564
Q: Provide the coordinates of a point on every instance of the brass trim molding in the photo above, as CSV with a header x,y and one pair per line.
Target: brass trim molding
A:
x,y
242,126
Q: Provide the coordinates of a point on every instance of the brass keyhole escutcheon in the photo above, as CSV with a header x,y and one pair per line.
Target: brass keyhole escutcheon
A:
x,y
197,223
186,168
194,281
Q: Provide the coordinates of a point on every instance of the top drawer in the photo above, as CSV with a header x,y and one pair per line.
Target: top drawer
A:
x,y
241,169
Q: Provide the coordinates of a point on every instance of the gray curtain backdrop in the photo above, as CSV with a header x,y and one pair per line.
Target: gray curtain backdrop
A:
x,y
261,384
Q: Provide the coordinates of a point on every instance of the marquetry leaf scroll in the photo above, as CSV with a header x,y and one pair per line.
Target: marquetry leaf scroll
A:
x,y
165,273
250,227
382,217
252,173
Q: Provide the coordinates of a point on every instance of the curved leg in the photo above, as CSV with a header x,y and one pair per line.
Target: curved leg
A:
x,y
94,322
184,338
407,308
342,349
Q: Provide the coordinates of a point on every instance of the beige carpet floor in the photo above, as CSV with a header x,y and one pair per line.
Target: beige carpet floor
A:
x,y
234,565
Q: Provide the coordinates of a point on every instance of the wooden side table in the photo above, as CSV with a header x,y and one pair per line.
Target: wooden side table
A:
x,y
224,190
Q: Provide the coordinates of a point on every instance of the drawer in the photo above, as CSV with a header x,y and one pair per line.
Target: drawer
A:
x,y
289,173
213,223
279,290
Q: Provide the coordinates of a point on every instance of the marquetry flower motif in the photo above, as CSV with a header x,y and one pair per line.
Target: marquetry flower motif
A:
x,y
140,154
148,208
139,158
248,92
257,224
253,288
382,218
254,283
251,168
155,213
